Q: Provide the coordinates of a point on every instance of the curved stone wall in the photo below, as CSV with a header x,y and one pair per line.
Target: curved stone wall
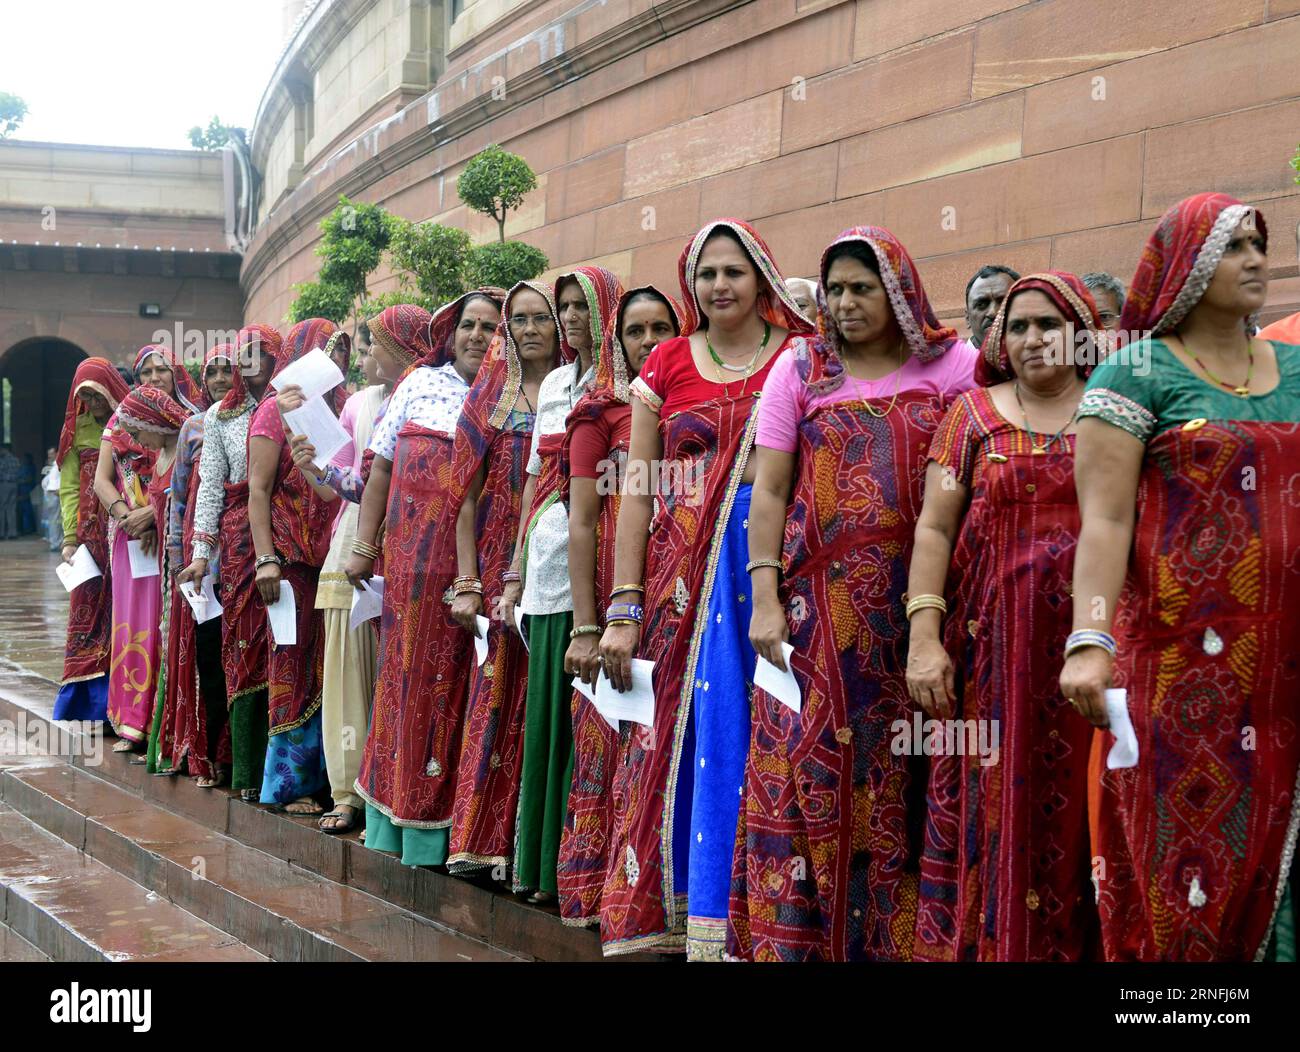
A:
x,y
1036,134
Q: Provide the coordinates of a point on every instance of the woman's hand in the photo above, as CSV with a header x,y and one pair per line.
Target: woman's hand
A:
x,y
149,541
268,583
289,399
465,609
582,659
930,678
511,593
194,573
617,648
768,630
358,568
1085,678
137,522
303,453
69,550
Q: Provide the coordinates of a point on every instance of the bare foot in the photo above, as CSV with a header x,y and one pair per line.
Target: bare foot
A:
x,y
124,745
304,805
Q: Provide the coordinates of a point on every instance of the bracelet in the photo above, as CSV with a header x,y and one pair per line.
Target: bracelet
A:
x,y
511,576
362,548
626,588
585,630
622,621
755,564
926,602
1090,637
265,560
625,612
115,504
464,587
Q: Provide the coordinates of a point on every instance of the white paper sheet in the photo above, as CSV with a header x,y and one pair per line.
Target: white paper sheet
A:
x,y
317,421
519,626
481,640
781,685
202,600
142,565
314,372
283,615
367,602
1124,753
637,705
81,569
589,692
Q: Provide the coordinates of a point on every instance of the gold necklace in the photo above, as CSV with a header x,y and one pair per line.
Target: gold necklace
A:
x,y
898,383
1034,446
719,364
1241,390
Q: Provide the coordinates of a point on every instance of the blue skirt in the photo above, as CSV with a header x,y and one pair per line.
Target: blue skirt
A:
x,y
716,745
295,764
86,699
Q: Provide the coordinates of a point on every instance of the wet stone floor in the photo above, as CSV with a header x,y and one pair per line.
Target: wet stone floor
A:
x,y
33,608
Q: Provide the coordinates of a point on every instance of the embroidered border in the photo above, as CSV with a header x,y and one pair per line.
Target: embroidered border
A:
x,y
641,391
1114,408
1202,272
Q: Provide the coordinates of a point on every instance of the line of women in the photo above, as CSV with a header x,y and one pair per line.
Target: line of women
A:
x,y
916,542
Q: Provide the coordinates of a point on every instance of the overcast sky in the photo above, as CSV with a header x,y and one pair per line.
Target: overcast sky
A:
x,y
136,72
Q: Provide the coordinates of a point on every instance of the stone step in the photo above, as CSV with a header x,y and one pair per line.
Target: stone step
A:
x,y
280,910
488,914
58,903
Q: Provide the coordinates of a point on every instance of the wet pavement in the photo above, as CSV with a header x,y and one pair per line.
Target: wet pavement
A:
x,y
33,608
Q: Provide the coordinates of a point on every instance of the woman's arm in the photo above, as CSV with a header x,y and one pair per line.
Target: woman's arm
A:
x,y
263,464
1107,464
930,676
70,498
180,491
467,606
619,642
773,480
105,484
210,501
583,655
374,503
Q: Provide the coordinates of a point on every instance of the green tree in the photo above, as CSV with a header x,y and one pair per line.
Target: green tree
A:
x,y
1295,163
215,136
318,299
494,182
505,263
435,256
12,112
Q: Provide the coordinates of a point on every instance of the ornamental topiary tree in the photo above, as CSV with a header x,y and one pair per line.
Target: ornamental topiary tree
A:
x,y
436,256
215,136
12,112
495,182
316,299
505,263
354,238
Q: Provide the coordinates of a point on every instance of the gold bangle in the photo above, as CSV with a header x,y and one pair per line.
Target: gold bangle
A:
x,y
755,564
926,602
639,589
623,621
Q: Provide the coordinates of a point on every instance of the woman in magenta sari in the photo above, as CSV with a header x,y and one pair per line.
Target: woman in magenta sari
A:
x,y
489,459
1187,468
681,531
290,523
1006,863
221,511
408,768
192,725
121,481
594,453
827,860
96,391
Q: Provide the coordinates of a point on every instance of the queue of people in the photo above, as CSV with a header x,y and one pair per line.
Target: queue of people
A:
x,y
753,620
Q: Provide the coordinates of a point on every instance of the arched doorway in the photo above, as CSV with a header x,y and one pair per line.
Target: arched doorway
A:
x,y
35,376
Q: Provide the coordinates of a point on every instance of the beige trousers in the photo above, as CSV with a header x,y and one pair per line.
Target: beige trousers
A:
x,y
350,666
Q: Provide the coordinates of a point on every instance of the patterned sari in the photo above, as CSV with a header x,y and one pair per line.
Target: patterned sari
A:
x,y
662,794
827,856
86,654
1006,865
492,431
1198,839
584,843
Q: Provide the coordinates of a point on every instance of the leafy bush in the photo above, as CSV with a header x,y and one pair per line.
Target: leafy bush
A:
x,y
505,263
494,182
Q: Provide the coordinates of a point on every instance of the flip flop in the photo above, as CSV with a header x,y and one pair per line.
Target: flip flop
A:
x,y
336,830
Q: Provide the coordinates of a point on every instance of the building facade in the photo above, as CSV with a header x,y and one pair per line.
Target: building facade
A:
x,y
1035,133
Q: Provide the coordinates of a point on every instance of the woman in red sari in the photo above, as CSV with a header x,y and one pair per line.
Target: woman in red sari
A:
x,y
827,860
121,481
221,504
96,391
1187,469
408,769
290,523
1006,864
681,531
488,474
192,729
594,460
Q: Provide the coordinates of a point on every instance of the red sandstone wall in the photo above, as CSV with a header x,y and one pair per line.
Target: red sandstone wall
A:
x,y
990,108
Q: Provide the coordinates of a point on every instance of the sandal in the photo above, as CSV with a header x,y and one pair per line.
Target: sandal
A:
x,y
284,808
124,745
249,796
349,818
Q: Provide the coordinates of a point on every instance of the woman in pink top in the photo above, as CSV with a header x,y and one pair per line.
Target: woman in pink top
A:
x,y
826,865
